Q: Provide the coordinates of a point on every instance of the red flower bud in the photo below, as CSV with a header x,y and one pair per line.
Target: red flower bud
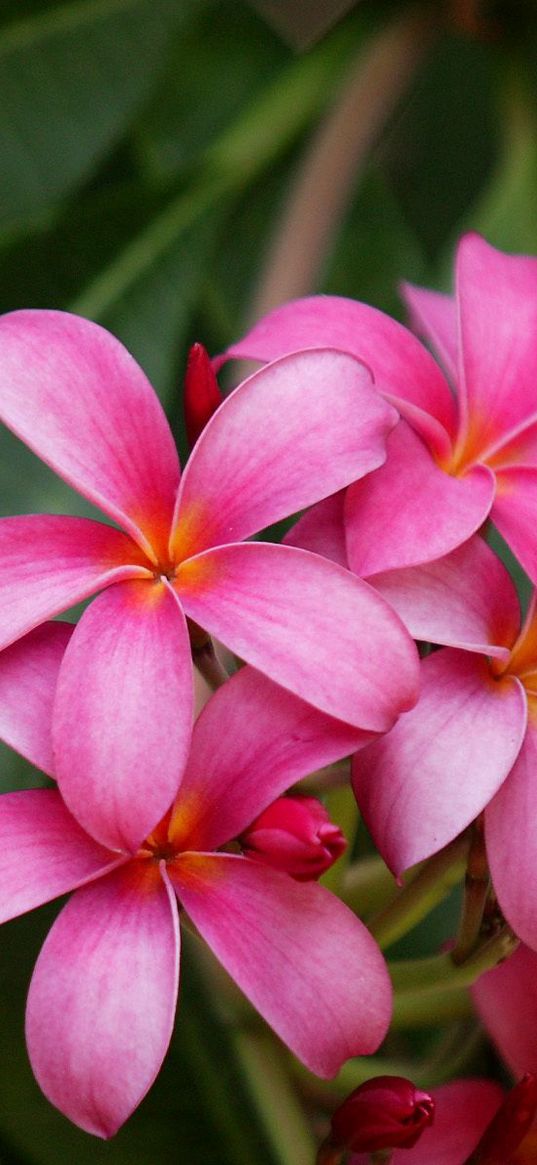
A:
x,y
295,834
508,1128
202,395
387,1112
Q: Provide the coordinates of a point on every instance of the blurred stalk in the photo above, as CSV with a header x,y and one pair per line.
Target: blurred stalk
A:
x,y
433,882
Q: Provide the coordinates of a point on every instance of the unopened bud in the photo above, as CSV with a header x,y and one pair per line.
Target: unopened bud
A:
x,y
295,834
202,395
387,1112
509,1126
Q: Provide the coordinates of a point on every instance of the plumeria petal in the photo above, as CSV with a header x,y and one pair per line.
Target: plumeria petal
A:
x,y
511,831
322,530
267,740
123,712
28,675
48,564
102,998
303,959
401,365
506,999
410,511
434,316
43,851
281,441
466,599
309,624
514,510
73,393
423,783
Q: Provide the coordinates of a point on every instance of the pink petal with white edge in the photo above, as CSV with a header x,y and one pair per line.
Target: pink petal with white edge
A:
x,y
293,433
511,832
466,600
49,563
43,851
28,675
463,1110
433,315
422,784
102,999
73,393
308,624
410,511
123,712
513,512
302,958
497,301
322,530
267,740
506,999
400,364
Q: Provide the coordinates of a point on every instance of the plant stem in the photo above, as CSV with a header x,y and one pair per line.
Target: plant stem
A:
x,y
209,666
433,882
476,888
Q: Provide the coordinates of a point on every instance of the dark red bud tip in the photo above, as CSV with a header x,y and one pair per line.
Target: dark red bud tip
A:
x,y
387,1112
508,1128
202,395
295,834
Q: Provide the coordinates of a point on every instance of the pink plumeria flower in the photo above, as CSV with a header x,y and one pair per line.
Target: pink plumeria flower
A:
x,y
280,441
453,460
103,995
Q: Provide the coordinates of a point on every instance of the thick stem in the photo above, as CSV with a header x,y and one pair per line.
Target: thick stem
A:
x,y
431,885
476,889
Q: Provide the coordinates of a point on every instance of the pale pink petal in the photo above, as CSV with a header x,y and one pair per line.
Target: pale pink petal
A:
x,y
409,511
423,783
123,712
303,959
514,511
309,625
506,999
466,599
513,815
28,675
267,740
295,432
433,315
73,393
102,998
43,851
463,1110
48,564
400,364
497,302
322,530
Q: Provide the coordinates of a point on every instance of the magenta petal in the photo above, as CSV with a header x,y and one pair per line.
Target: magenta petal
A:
x,y
514,510
410,511
28,675
422,784
284,439
102,999
466,599
73,393
43,851
309,624
434,316
322,530
506,999
513,815
123,712
49,563
267,740
303,959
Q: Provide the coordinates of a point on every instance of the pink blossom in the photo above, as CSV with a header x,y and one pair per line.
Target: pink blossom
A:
x,y
102,999
295,834
453,459
385,1112
278,443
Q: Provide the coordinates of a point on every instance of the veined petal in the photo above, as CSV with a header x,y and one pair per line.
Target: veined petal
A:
x,y
102,998
303,959
49,563
400,364
466,600
293,433
73,393
28,676
409,511
434,316
123,712
422,784
511,832
513,512
43,851
267,740
309,625
506,999
322,530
